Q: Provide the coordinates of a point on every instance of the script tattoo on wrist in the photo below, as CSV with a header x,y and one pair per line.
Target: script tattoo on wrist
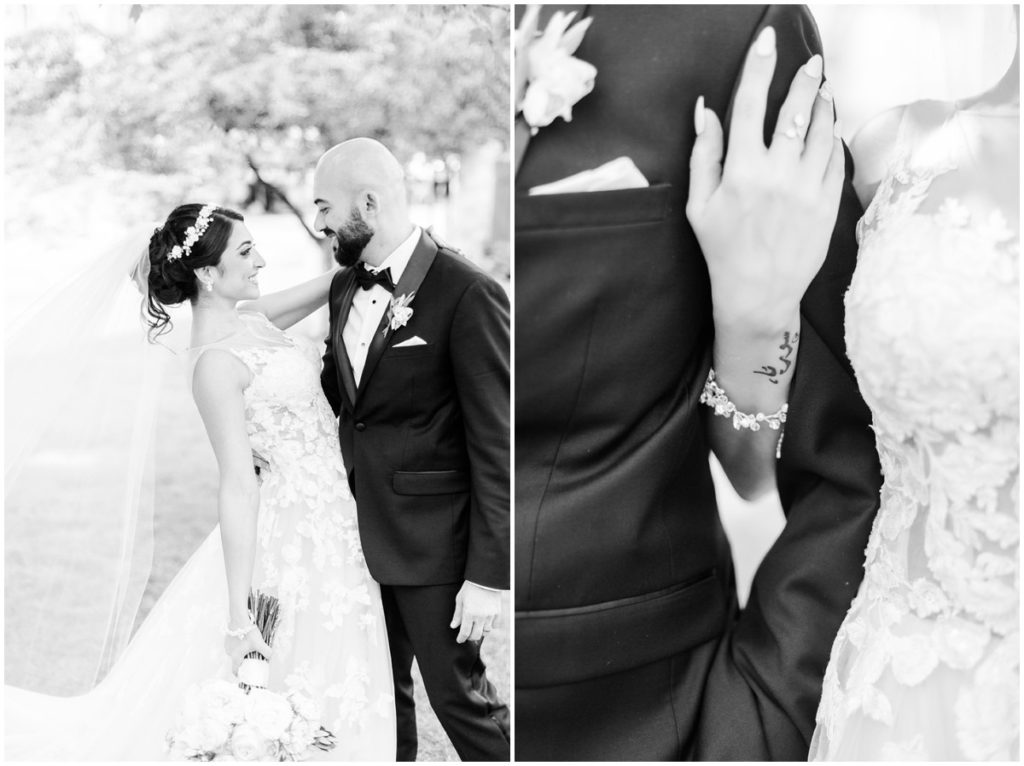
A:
x,y
786,348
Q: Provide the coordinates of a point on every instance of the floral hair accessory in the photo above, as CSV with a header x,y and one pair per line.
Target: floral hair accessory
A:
x,y
193,233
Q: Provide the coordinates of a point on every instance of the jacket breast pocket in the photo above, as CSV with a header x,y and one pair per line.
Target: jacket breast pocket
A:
x,y
425,350
602,209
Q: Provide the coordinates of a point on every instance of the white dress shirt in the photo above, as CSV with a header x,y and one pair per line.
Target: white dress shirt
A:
x,y
368,306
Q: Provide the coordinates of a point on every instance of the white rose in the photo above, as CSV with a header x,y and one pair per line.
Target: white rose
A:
x,y
400,316
555,79
246,743
560,82
224,702
269,713
212,735
189,736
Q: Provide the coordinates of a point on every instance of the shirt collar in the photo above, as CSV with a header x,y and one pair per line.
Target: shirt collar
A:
x,y
400,256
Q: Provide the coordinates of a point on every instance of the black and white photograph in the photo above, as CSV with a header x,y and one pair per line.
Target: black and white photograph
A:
x,y
257,382
766,401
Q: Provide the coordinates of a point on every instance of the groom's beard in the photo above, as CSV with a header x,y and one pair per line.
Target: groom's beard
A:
x,y
351,239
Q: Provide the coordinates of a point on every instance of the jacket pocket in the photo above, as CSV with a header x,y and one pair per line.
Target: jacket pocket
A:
x,y
559,646
427,349
618,207
430,482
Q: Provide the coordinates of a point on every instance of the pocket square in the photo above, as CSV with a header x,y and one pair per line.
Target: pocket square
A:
x,y
620,173
415,341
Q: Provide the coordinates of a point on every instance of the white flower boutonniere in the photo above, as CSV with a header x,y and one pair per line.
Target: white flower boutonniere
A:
x,y
399,312
550,79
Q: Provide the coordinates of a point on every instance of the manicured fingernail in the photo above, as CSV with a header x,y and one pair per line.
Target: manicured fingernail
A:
x,y
698,116
825,91
765,42
813,66
837,129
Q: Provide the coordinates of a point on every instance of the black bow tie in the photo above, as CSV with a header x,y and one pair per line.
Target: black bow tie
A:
x,y
368,279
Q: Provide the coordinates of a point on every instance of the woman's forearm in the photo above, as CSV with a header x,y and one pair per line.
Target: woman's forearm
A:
x,y
755,368
286,307
239,506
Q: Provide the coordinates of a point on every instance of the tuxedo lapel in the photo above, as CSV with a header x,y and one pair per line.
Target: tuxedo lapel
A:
x,y
344,364
522,136
419,264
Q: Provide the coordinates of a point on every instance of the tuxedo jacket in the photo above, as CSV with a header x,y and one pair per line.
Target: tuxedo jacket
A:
x,y
621,559
425,435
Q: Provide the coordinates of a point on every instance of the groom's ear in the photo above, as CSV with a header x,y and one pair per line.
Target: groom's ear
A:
x,y
371,202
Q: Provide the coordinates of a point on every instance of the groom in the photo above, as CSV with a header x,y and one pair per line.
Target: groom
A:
x,y
417,368
629,641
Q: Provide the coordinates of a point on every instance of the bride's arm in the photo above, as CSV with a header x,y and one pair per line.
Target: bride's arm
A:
x,y
764,221
286,307
217,387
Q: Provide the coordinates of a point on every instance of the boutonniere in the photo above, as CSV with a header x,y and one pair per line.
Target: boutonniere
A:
x,y
549,79
399,312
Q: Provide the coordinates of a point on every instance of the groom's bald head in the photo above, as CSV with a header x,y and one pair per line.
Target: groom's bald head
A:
x,y
358,165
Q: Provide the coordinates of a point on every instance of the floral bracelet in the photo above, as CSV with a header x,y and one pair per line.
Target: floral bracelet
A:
x,y
715,397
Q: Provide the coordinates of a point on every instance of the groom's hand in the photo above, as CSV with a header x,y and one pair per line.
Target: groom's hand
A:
x,y
476,610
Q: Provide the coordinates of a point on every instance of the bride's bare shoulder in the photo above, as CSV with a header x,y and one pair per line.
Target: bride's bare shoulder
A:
x,y
873,143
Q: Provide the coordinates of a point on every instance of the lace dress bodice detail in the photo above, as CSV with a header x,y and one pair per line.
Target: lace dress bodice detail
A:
x,y
932,332
290,422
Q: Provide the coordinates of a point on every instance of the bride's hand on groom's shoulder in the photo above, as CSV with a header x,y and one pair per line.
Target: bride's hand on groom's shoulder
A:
x,y
764,220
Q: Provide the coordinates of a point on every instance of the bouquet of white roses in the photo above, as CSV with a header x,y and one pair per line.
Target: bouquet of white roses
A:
x,y
226,721
222,722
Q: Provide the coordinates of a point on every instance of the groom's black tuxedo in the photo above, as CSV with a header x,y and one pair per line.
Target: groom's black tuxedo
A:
x,y
425,438
629,644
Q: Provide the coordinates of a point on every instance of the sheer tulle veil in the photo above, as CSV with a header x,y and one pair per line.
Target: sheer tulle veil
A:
x,y
82,387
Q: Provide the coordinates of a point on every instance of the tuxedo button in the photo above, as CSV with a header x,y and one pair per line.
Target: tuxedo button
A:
x,y
360,426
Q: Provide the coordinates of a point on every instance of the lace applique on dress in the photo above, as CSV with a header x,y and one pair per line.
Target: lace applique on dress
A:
x,y
926,663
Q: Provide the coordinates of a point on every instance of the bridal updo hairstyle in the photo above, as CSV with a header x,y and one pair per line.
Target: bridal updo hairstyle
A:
x,y
173,281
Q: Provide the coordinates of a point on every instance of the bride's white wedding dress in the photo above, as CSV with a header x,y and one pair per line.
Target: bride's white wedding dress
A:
x,y
332,639
926,664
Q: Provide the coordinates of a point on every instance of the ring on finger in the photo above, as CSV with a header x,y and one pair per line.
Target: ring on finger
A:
x,y
796,130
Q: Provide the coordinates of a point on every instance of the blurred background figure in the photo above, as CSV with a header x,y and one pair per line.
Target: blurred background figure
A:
x,y
116,114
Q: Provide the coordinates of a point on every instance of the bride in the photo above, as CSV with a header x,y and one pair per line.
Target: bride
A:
x,y
289,531
926,663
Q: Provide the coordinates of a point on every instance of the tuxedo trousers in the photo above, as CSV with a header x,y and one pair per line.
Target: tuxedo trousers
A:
x,y
454,676
648,713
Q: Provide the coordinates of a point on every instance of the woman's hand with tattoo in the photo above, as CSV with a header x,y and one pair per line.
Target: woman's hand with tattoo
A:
x,y
764,220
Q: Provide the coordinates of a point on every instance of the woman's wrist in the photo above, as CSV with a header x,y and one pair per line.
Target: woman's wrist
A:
x,y
756,327
756,366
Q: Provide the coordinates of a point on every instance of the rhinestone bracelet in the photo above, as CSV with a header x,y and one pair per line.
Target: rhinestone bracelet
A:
x,y
713,396
238,632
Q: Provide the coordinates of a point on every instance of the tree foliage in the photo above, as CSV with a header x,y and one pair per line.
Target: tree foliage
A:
x,y
189,92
